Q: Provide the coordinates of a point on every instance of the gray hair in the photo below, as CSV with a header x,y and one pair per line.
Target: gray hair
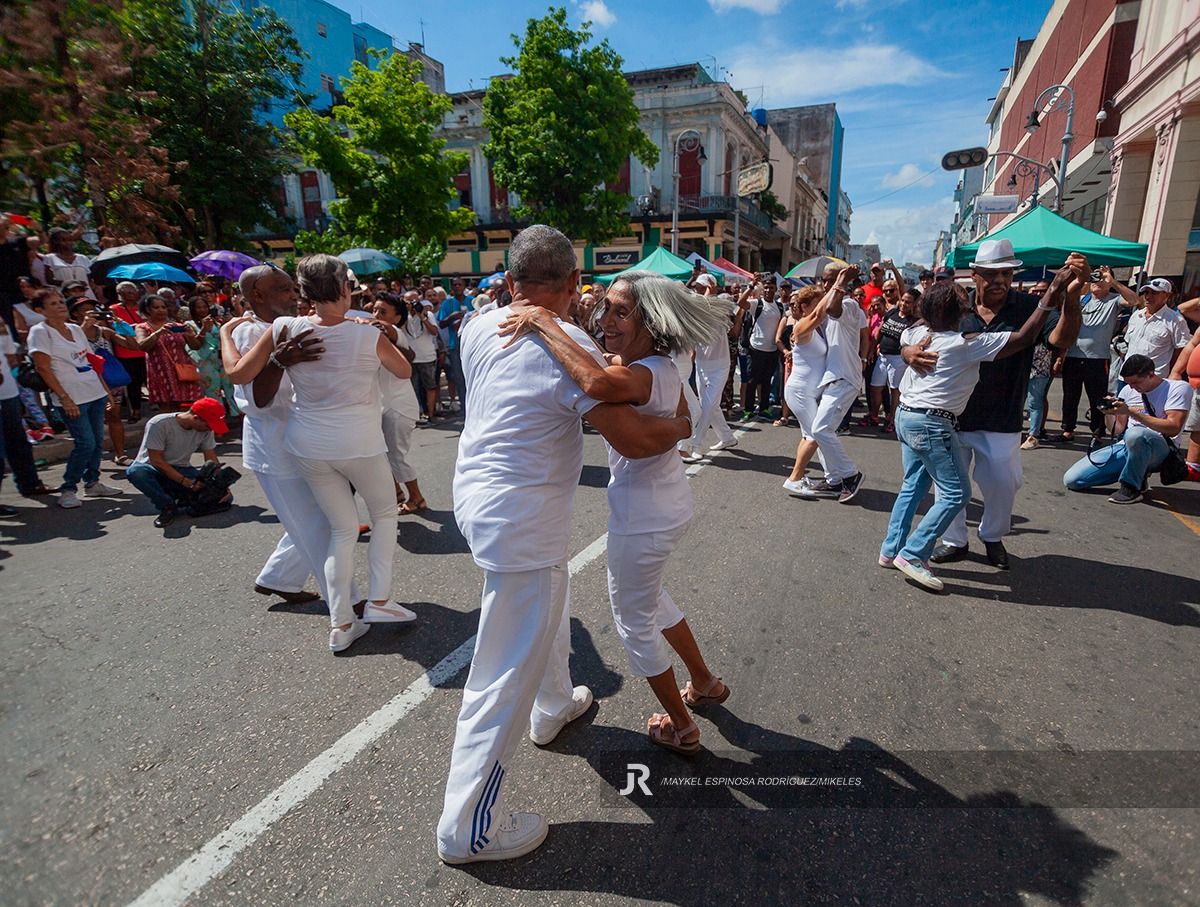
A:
x,y
321,277
128,285
678,319
541,255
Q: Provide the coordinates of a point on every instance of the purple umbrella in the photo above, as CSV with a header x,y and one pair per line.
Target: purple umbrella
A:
x,y
224,263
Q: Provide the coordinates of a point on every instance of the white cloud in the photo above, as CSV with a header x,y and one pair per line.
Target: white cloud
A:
x,y
828,74
908,175
765,7
903,234
598,13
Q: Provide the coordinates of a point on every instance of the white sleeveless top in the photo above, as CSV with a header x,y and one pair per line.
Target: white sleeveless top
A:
x,y
808,361
651,494
335,400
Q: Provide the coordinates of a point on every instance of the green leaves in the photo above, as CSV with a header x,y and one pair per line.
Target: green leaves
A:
x,y
562,126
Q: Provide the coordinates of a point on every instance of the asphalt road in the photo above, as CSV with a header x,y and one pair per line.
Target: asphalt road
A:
x,y
1029,737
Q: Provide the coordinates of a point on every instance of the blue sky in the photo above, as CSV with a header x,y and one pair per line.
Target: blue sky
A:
x,y
911,78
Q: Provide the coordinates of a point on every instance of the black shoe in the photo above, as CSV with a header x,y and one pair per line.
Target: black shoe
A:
x,y
1126,494
166,517
822,489
850,487
9,511
997,554
292,598
945,554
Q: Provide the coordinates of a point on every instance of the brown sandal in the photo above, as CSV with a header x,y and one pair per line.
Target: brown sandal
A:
x,y
409,507
662,733
694,698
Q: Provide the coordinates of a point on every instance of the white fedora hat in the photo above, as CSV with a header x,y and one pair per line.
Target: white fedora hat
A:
x,y
995,254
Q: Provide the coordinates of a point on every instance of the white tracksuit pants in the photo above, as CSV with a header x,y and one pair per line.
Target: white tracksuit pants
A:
x,y
997,472
836,399
683,363
710,378
397,434
641,607
305,540
519,673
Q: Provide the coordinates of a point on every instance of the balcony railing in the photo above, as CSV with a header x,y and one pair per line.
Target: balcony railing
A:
x,y
691,205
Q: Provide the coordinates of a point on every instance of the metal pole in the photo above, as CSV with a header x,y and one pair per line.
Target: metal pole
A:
x,y
675,197
737,230
1067,138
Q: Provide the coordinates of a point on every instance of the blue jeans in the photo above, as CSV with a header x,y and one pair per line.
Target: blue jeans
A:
x,y
1139,451
1035,402
932,454
161,491
87,431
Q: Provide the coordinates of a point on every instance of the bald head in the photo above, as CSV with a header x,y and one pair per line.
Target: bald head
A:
x,y
269,291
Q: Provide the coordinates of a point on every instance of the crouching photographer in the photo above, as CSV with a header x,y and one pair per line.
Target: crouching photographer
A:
x,y
163,470
1149,412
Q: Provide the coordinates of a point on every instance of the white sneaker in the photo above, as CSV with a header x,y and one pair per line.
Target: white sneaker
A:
x,y
918,572
69,501
100,490
1031,443
390,612
582,701
724,445
340,640
797,487
512,837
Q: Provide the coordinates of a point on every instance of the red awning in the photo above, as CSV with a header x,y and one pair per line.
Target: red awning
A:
x,y
726,265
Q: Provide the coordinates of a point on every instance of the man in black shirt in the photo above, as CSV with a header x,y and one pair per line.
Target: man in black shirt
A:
x,y
990,426
14,263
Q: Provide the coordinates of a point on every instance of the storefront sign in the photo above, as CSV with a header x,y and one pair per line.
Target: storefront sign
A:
x,y
754,179
995,204
617,259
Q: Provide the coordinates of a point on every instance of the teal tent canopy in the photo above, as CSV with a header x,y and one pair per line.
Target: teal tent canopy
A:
x,y
661,262
1042,239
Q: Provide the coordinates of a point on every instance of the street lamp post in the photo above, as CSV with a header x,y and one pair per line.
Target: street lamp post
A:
x,y
1034,121
1027,166
675,203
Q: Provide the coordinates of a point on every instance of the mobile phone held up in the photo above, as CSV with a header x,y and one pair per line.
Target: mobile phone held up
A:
x,y
178,328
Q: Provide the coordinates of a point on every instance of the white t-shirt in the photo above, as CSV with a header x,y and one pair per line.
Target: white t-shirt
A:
x,y
31,317
423,343
8,384
650,494
79,269
1157,336
264,429
521,448
762,334
842,361
399,393
1168,395
954,376
68,361
335,400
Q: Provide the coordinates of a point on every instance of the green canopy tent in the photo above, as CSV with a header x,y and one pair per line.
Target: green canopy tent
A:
x,y
1042,239
660,261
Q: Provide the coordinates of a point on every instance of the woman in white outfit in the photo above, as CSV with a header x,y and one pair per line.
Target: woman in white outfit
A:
x,y
712,368
400,407
808,365
336,434
646,317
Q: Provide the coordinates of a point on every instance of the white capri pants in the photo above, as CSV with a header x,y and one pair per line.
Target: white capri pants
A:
x,y
710,378
801,397
330,481
997,472
888,371
397,433
519,673
641,606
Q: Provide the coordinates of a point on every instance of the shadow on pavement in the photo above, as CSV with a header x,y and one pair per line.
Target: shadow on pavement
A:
x,y
416,537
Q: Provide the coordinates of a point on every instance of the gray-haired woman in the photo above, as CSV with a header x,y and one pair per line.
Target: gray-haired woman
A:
x,y
336,434
645,318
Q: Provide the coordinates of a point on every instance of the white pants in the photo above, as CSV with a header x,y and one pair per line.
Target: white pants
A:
x,y
998,474
301,549
397,433
330,481
683,364
641,606
519,673
710,378
802,399
836,399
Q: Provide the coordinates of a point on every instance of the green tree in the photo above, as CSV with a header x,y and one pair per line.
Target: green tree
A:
x,y
214,70
393,178
562,126
771,206
415,256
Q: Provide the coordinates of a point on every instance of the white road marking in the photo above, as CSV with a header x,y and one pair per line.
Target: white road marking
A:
x,y
218,854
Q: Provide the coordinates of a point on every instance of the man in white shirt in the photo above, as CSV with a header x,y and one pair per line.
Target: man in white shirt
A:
x,y
1149,410
1157,331
847,335
519,461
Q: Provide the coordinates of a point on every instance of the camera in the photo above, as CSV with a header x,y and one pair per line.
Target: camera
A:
x,y
1108,402
1097,276
209,487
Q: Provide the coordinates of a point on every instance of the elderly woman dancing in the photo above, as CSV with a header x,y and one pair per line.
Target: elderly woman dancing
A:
x,y
336,435
645,318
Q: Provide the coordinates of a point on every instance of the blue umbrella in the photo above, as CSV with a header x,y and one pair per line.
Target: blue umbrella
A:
x,y
498,277
151,270
369,261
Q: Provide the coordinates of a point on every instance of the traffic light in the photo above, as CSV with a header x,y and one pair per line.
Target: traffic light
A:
x,y
962,160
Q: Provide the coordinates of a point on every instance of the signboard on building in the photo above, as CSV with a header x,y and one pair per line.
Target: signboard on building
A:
x,y
617,259
754,179
995,204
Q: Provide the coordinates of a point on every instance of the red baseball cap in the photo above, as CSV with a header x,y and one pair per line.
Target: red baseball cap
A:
x,y
212,412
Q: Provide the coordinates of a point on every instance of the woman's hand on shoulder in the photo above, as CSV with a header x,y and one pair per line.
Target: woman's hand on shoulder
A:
x,y
531,319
